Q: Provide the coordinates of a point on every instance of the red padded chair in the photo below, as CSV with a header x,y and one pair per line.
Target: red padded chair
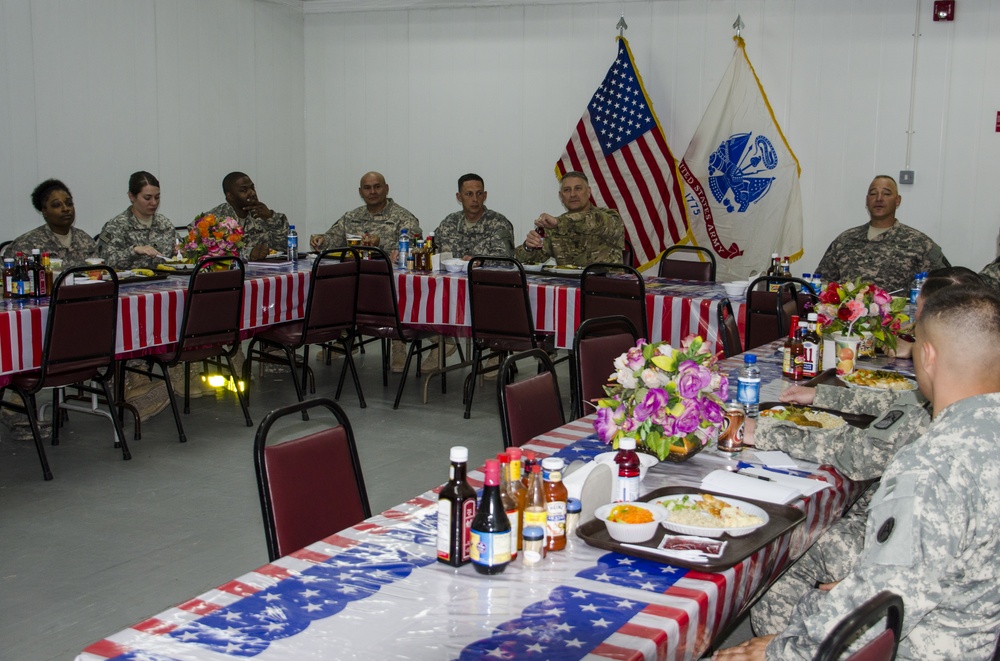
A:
x,y
702,268
212,314
628,253
729,329
331,307
596,345
311,486
880,648
378,314
79,348
613,289
502,320
531,406
768,314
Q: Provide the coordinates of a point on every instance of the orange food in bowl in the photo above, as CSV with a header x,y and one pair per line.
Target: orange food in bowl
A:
x,y
630,514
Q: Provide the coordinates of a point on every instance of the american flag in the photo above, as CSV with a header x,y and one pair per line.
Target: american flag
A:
x,y
619,145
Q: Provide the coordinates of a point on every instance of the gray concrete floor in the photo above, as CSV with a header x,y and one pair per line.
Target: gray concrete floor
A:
x,y
108,543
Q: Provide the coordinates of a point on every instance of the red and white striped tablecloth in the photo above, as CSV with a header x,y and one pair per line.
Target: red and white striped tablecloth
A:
x,y
376,591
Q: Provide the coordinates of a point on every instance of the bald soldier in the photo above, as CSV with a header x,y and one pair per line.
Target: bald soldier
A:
x,y
585,234
932,534
380,216
883,250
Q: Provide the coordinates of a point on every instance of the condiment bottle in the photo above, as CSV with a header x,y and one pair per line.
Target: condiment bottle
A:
x,y
798,351
490,540
812,346
627,484
517,489
509,503
456,509
534,545
47,266
786,351
573,509
8,277
555,504
534,504
526,464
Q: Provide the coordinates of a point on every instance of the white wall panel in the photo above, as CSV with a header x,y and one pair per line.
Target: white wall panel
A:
x,y
838,76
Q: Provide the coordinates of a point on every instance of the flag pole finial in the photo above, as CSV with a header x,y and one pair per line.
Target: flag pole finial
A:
x,y
738,25
622,26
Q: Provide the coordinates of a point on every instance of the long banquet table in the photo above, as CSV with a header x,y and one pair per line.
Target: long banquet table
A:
x,y
376,591
150,313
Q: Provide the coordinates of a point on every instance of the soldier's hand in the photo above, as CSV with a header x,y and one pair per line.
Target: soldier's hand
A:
x,y
751,650
317,241
533,240
259,252
798,395
148,251
259,210
546,221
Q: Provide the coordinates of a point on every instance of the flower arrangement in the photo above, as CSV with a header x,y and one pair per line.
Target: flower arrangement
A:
x,y
855,308
671,401
211,237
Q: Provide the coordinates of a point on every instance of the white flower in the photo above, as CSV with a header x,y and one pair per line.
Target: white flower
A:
x,y
653,378
626,378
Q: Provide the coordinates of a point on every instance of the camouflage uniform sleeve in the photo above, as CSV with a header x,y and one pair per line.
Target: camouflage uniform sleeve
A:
x,y
855,400
829,266
991,274
336,236
936,258
527,256
272,232
445,235
501,237
909,557
116,243
860,454
412,226
82,247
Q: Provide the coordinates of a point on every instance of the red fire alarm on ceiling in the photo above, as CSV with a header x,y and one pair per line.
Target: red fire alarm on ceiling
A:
x,y
944,10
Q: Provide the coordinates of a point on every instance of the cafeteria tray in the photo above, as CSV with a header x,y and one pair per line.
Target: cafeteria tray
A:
x,y
859,420
782,519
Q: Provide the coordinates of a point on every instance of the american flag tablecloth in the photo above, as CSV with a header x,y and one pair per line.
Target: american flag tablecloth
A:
x,y
675,308
376,591
149,315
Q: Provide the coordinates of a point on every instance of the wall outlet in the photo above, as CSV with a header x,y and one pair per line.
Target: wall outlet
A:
x,y
906,176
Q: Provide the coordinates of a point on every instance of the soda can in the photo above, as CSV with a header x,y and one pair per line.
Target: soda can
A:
x,y
731,434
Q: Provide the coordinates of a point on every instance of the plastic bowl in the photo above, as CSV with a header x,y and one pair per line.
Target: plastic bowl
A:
x,y
736,288
646,461
631,533
455,265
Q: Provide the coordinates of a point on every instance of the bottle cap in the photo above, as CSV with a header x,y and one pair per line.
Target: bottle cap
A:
x,y
533,533
553,464
503,458
574,505
404,231
459,453
536,468
806,276
749,358
529,454
813,316
492,472
626,443
291,227
514,453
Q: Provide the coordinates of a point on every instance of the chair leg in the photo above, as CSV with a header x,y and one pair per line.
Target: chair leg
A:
x,y
187,385
239,393
57,394
29,407
470,383
414,349
182,437
386,349
247,363
306,372
119,432
299,387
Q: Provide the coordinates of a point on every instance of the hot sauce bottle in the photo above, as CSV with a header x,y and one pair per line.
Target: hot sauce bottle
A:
x,y
555,504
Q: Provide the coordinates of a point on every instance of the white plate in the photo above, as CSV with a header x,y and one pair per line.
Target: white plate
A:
x,y
909,385
712,532
563,270
532,268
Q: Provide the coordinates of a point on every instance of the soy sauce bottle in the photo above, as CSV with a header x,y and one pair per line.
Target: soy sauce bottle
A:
x,y
490,541
456,509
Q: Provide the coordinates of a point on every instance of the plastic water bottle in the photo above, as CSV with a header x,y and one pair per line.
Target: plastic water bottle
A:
x,y
293,244
748,386
404,247
916,286
809,279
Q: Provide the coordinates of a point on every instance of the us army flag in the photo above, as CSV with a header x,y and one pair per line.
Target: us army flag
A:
x,y
742,178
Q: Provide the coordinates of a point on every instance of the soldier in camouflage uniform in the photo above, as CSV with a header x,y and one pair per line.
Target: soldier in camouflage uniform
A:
x,y
475,230
57,236
380,217
931,534
263,229
884,250
581,236
135,237
991,274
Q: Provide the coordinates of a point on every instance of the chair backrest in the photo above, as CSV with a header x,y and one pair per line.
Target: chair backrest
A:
x,y
378,308
701,268
613,289
311,486
213,309
499,304
531,406
597,343
80,328
767,314
729,329
333,295
628,253
881,648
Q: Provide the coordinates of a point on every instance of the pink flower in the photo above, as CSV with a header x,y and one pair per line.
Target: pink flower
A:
x,y
855,310
881,296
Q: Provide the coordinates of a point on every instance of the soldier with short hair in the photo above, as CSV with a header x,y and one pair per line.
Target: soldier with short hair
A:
x,y
932,534
883,250
583,235
264,229
474,230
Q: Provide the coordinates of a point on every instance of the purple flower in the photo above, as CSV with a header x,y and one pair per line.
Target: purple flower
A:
x,y
710,411
723,390
667,422
605,425
691,378
634,359
688,421
654,400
